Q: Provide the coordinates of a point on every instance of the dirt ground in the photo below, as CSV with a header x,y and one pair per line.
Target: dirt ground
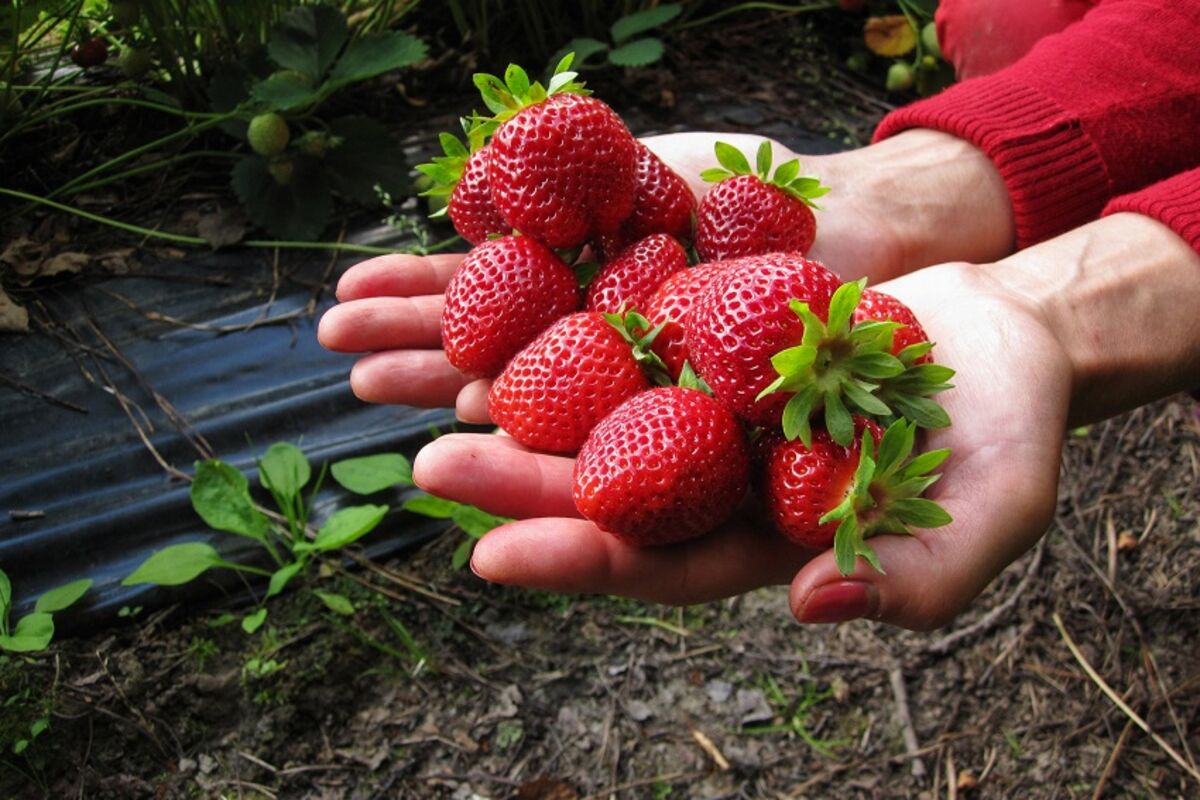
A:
x,y
442,686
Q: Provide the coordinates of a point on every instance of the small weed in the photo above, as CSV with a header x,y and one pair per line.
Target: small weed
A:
x,y
201,649
795,714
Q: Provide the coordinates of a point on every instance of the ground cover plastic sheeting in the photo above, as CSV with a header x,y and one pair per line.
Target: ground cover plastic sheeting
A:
x,y
81,495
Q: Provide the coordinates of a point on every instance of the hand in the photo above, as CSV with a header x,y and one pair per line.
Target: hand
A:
x,y
999,485
898,205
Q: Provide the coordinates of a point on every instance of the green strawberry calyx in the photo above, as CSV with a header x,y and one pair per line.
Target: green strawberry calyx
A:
x,y
885,495
446,170
638,333
844,368
689,379
505,98
805,188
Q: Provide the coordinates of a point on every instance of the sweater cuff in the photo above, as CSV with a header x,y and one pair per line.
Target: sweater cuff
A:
x,y
1174,202
1054,173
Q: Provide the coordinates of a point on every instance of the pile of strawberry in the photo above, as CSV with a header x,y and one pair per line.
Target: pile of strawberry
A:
x,y
683,390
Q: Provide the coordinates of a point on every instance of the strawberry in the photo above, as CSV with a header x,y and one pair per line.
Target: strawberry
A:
x,y
461,176
663,203
668,307
883,307
840,495
667,465
630,279
553,392
844,369
744,317
268,134
503,294
90,52
563,165
749,213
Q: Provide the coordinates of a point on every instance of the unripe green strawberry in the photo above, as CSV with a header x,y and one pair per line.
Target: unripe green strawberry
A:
x,y
135,62
282,168
268,134
899,77
929,39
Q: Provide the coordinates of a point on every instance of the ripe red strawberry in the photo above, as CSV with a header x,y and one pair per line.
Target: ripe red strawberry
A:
x,y
90,52
883,307
628,281
668,307
669,464
553,392
461,176
834,495
664,203
563,165
503,294
744,317
749,213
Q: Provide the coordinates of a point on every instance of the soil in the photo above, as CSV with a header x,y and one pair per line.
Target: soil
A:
x,y
442,686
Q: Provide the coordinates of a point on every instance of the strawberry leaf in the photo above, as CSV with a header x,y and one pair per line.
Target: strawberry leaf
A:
x,y
787,172
921,513
763,160
517,81
715,175
731,158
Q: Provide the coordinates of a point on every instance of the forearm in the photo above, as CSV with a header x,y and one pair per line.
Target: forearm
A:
x,y
1122,296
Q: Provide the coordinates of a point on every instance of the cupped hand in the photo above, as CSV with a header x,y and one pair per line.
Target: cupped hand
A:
x,y
1009,409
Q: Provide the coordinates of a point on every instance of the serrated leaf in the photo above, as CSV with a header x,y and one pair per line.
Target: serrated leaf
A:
x,y
475,522
347,526
368,157
298,211
371,474
731,158
715,175
308,39
33,633
252,622
284,91
762,159
631,25
920,513
284,470
429,506
375,54
281,577
63,596
337,603
221,496
175,565
637,53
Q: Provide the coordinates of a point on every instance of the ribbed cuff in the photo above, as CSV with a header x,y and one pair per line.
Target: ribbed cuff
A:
x,y
1055,175
1174,202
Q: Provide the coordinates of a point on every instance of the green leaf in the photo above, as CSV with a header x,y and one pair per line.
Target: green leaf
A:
x,y
429,506
284,470
864,400
875,366
637,53
252,622
33,633
926,462
517,80
895,445
494,92
475,522
842,305
367,157
731,158
462,553
5,596
715,175
837,420
585,272
38,727
371,474
787,172
175,565
763,159
308,39
221,496
348,525
63,596
919,512
796,416
285,90
794,360
921,410
375,54
583,48
281,577
297,211
337,603
631,25
844,545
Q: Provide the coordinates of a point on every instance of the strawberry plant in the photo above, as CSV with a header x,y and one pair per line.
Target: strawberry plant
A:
x,y
220,495
629,47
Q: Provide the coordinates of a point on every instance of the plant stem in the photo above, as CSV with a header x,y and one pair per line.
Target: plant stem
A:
x,y
800,9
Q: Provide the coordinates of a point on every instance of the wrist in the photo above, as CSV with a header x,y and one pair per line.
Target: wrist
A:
x,y
1119,295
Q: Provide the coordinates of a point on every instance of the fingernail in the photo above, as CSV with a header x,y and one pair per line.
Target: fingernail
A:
x,y
839,602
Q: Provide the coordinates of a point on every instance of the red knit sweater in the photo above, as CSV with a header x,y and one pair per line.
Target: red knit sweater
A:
x,y
1106,107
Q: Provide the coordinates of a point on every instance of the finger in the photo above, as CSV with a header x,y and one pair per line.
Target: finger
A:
x,y
471,405
574,556
398,275
933,575
382,323
422,378
497,474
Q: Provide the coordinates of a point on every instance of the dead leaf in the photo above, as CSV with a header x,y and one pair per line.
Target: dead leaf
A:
x,y
1126,541
546,789
24,255
222,228
13,318
118,261
68,262
967,781
890,36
